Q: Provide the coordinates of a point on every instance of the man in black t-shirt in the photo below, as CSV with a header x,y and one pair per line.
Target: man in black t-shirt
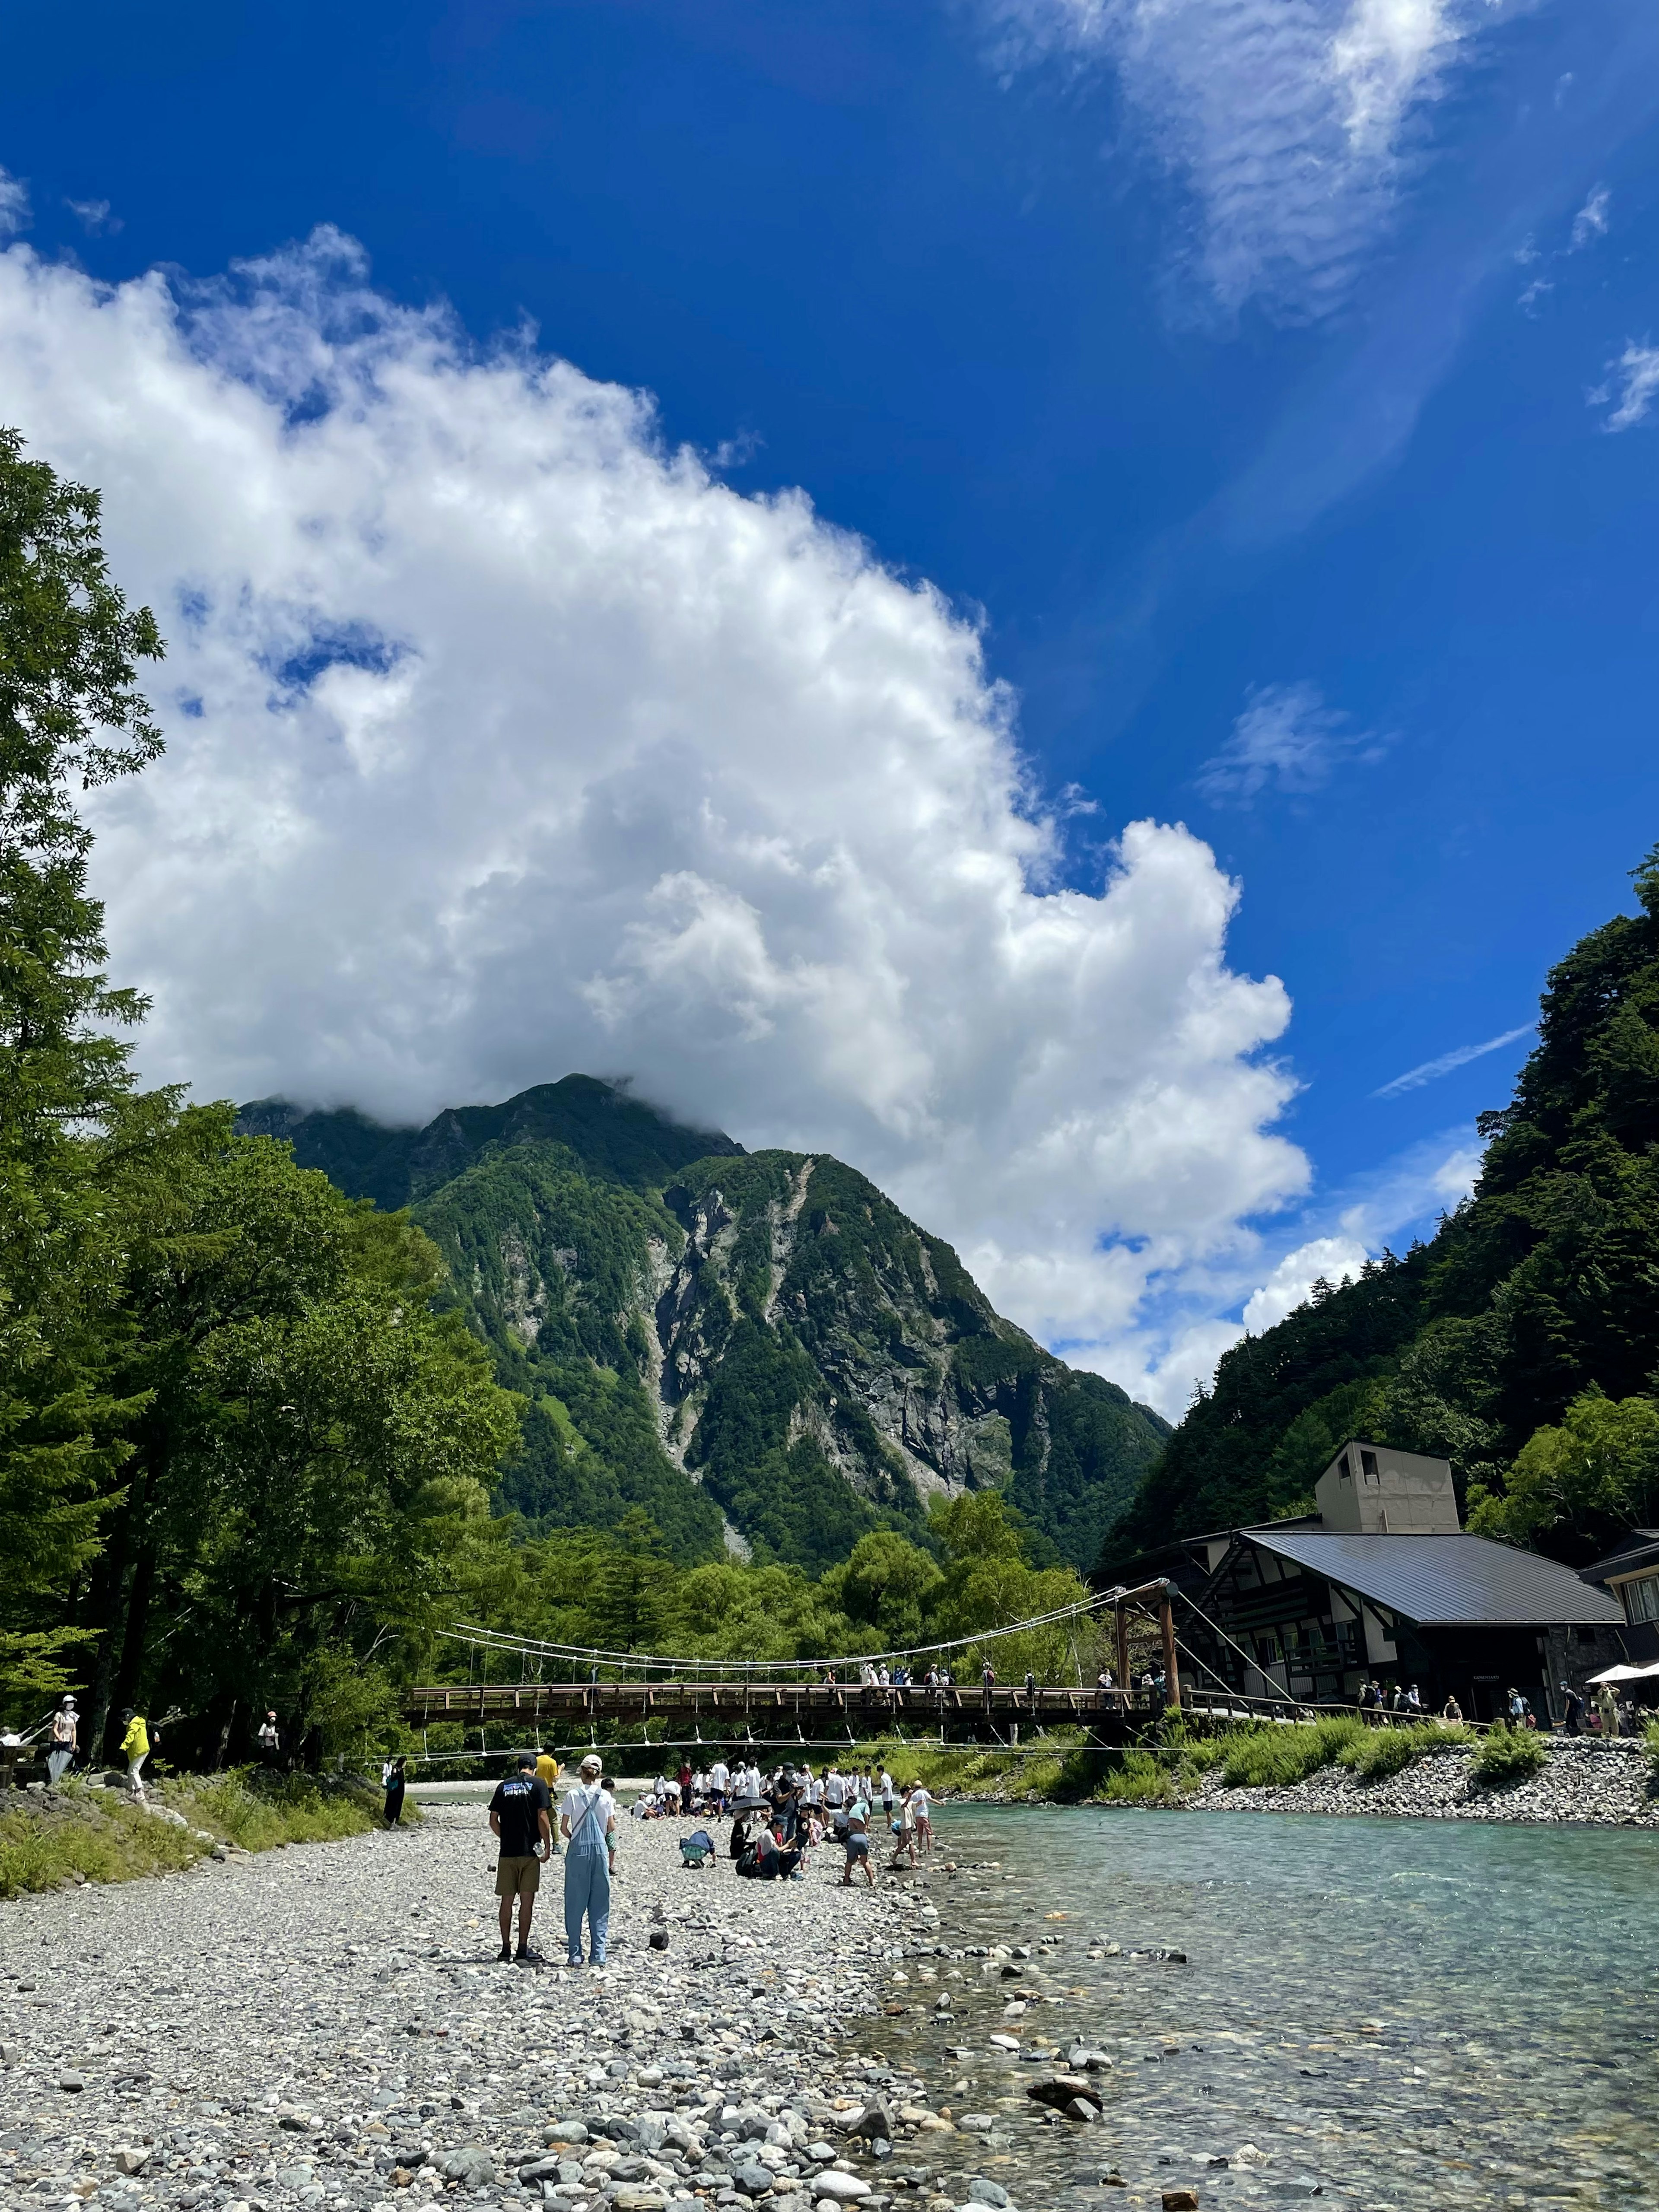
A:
x,y
520,1817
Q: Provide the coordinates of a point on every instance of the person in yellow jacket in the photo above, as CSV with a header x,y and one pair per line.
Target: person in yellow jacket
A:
x,y
547,1770
136,1744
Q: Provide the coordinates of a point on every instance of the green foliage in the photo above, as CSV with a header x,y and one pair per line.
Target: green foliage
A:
x,y
70,717
1532,1296
1650,1736
1597,1472
1277,1757
1144,1778
1379,1751
101,1837
1507,1756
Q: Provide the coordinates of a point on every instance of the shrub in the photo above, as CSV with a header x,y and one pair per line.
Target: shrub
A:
x,y
1142,1779
1380,1752
259,1812
1650,1730
116,1842
1281,1754
1508,1756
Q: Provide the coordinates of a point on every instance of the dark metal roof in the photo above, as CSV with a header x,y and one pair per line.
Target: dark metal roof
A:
x,y
1449,1581
1639,1549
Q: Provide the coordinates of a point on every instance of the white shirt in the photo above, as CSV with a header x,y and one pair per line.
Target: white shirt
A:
x,y
717,1777
752,1782
920,1803
835,1790
886,1787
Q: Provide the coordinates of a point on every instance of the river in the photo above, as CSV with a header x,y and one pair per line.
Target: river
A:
x,y
1397,2013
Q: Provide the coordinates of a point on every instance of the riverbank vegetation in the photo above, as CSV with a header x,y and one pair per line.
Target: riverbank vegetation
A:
x,y
85,1834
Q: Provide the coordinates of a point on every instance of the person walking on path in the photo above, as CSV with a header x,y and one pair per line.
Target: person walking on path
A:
x,y
522,1820
588,1823
135,1746
1574,1709
988,1676
65,1741
394,1780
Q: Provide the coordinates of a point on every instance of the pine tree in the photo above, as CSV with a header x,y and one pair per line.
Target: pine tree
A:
x,y
69,719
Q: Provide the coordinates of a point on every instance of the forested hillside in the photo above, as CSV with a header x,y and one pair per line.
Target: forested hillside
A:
x,y
752,1348
1521,1343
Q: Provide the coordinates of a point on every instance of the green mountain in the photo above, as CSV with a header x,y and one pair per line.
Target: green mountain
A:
x,y
757,1349
1543,1286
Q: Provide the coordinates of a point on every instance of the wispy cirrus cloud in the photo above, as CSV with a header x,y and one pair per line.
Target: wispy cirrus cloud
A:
x,y
1591,221
1287,740
93,216
14,213
1431,1070
1632,380
1296,124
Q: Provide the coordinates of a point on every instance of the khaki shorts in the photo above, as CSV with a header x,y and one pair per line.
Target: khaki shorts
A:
x,y
518,1877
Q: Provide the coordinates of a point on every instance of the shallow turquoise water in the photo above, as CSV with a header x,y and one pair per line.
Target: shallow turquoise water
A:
x,y
1406,2014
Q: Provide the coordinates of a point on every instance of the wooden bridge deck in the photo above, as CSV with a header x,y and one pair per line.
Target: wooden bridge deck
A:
x,y
779,1712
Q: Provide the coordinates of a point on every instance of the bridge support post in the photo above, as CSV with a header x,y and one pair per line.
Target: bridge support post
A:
x,y
1171,1668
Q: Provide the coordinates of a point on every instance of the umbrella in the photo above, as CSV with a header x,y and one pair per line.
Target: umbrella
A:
x,y
1648,1673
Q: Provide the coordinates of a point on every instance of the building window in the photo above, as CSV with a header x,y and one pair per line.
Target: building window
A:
x,y
1642,1599
1266,1649
1368,1466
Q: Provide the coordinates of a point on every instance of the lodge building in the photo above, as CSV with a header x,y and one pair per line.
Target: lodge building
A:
x,y
1382,1582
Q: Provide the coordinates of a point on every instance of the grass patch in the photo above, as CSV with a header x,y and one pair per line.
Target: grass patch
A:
x,y
1508,1756
261,1813
1379,1751
1650,1732
1278,1756
97,1835
1143,1778
45,1849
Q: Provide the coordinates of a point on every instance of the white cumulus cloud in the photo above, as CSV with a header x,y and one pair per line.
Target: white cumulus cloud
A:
x,y
505,739
1295,123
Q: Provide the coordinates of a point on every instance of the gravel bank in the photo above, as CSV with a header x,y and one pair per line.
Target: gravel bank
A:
x,y
1607,1785
326,2025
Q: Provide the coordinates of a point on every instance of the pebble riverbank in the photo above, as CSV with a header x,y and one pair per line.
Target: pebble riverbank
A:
x,y
325,2026
1606,1784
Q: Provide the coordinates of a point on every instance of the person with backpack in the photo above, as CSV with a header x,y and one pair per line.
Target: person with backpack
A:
x,y
588,1824
394,1780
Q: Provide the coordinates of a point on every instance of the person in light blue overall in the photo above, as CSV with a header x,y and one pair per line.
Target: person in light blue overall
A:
x,y
588,1824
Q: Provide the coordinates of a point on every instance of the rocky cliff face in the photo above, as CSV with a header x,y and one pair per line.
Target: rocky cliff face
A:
x,y
758,1349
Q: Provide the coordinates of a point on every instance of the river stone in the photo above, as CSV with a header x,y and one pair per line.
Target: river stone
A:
x,y
469,2166
847,2188
635,2197
984,2192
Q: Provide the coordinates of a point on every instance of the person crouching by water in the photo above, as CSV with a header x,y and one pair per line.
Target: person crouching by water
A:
x,y
520,1818
588,1824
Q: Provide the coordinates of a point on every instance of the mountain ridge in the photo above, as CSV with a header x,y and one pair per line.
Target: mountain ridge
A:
x,y
756,1349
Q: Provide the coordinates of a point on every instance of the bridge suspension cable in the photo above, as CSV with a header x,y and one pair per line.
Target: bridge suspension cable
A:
x,y
534,1647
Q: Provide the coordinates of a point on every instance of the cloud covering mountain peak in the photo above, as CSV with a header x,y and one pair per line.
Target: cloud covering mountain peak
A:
x,y
506,739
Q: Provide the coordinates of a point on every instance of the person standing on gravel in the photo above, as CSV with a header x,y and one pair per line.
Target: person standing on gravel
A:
x,y
520,1818
858,1847
65,1733
394,1779
719,1781
588,1823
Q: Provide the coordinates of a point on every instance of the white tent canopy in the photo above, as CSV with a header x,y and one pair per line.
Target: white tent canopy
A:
x,y
1628,1673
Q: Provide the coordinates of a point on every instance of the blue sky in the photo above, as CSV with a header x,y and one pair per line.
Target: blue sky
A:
x,y
1236,370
